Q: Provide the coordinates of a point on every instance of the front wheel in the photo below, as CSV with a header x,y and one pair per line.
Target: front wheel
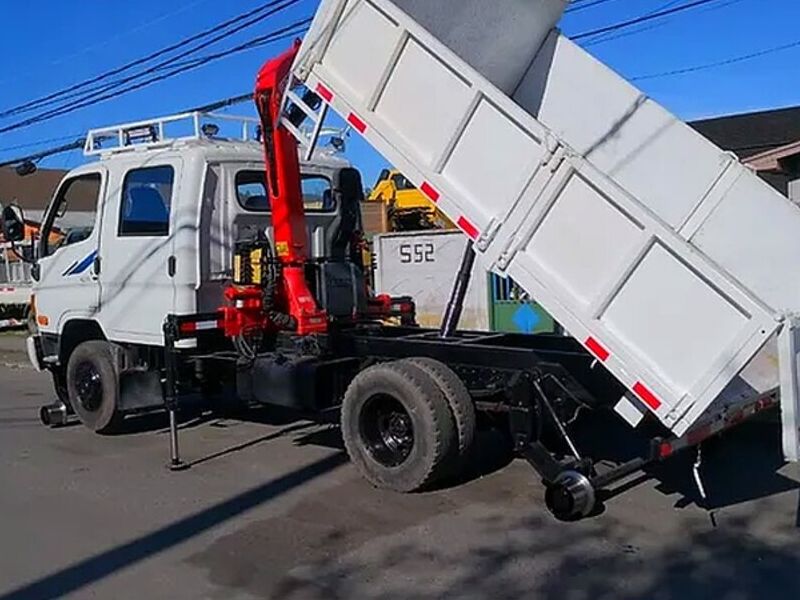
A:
x,y
93,386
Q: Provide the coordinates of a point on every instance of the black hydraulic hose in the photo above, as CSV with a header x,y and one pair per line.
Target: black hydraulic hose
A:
x,y
271,270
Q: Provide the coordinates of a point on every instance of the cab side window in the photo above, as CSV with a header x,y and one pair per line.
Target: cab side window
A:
x,y
146,202
317,194
73,213
251,191
252,195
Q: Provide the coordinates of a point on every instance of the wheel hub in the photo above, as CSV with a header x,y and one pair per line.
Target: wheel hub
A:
x,y
89,386
571,496
388,430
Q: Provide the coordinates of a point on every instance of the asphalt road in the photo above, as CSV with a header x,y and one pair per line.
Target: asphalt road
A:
x,y
272,510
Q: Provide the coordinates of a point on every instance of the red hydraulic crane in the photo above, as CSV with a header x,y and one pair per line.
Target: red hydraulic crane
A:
x,y
294,306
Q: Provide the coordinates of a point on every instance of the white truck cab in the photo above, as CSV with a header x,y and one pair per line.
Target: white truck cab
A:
x,y
165,215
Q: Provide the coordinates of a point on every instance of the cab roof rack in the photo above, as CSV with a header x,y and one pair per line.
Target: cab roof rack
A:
x,y
165,131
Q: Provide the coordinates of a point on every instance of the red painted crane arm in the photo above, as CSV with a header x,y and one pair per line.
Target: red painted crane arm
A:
x,y
280,154
285,193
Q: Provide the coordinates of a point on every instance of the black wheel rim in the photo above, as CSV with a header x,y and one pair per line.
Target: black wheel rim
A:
x,y
387,430
89,386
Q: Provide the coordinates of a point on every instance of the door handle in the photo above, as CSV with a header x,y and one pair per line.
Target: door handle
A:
x,y
171,266
96,266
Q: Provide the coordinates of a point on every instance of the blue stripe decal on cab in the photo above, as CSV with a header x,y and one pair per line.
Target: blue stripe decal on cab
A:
x,y
69,268
77,269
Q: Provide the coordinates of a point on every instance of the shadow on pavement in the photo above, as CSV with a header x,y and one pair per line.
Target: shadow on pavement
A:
x,y
522,558
739,467
254,442
90,570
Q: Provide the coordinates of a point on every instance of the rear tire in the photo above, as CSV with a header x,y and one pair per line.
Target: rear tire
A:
x,y
459,400
93,386
397,427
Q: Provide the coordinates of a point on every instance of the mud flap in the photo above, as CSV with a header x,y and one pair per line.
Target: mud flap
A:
x,y
788,347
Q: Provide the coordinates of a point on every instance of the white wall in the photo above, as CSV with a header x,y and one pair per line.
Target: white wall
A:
x,y
424,265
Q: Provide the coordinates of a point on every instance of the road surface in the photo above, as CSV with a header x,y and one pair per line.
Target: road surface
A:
x,y
271,509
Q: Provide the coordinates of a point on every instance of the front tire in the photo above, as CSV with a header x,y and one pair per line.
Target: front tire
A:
x,y
93,386
397,427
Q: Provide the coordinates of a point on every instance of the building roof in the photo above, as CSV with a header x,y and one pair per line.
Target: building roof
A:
x,y
776,160
752,133
32,192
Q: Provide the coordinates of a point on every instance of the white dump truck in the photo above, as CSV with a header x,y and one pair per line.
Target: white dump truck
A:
x,y
670,261
670,265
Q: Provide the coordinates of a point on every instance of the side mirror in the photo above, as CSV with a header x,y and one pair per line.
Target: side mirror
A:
x,y
13,223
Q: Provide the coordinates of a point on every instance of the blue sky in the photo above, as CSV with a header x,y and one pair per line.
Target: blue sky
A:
x,y
67,41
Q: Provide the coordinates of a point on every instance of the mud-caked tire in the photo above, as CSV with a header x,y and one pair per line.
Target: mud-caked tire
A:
x,y
460,403
93,386
397,427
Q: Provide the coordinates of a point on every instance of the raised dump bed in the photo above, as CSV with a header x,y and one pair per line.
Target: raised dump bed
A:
x,y
670,261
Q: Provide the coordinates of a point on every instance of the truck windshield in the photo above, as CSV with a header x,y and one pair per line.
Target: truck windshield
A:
x,y
71,215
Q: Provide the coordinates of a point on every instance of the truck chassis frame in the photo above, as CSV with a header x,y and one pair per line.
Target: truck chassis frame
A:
x,y
530,375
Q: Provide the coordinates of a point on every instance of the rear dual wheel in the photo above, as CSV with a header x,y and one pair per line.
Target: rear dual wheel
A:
x,y
399,426
458,401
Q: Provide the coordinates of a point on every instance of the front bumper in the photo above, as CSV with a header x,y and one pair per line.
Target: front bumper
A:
x,y
34,348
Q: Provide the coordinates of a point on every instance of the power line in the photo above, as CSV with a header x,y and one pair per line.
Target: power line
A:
x,y
283,33
40,142
278,6
641,19
187,66
275,6
577,5
80,141
127,66
721,63
45,153
128,32
105,42
223,103
602,39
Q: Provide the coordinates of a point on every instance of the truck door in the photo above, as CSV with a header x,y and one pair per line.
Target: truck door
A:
x,y
70,233
137,259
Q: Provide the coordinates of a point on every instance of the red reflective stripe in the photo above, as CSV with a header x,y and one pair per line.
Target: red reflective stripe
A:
x,y
597,349
324,92
468,228
360,126
195,326
665,450
646,395
429,191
